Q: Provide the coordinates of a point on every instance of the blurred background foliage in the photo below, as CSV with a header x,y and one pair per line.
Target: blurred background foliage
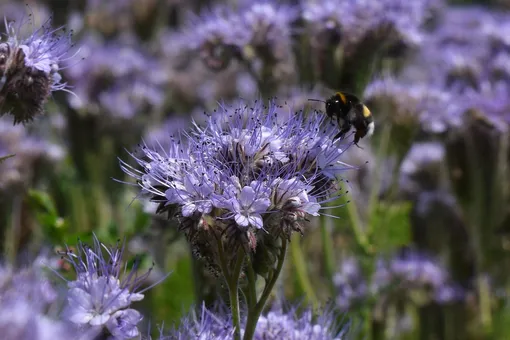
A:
x,y
420,251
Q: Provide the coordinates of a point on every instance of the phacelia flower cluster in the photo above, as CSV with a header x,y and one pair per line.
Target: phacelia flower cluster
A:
x,y
29,69
27,299
351,21
259,30
397,277
18,172
117,79
277,323
461,67
246,174
100,297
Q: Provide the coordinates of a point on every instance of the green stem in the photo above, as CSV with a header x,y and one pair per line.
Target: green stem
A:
x,y
255,311
327,246
251,300
232,279
233,290
359,234
301,271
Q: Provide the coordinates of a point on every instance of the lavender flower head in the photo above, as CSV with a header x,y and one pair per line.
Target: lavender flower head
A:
x,y
28,150
215,324
413,271
247,173
259,29
280,324
29,68
27,299
117,79
104,289
351,21
398,277
434,108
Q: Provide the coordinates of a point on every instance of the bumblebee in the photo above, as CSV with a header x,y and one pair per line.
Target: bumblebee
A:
x,y
350,112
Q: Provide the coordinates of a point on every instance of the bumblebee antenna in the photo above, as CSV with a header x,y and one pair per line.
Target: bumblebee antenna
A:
x,y
316,100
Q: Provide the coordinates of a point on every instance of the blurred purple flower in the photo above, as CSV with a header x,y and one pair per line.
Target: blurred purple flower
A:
x,y
104,289
27,299
30,152
412,270
492,101
352,20
117,79
396,277
216,34
436,109
29,68
276,324
280,324
423,169
351,284
214,324
258,29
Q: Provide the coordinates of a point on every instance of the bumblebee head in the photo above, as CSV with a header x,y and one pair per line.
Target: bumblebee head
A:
x,y
337,105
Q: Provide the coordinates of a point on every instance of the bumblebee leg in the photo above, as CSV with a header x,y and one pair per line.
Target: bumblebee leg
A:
x,y
344,128
357,137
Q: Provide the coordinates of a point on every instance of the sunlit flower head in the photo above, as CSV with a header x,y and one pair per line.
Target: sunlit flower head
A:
x,y
247,171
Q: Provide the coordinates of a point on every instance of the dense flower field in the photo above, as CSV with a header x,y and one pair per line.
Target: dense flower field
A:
x,y
176,169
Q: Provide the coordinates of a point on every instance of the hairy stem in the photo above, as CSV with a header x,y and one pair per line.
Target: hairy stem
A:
x,y
233,290
255,311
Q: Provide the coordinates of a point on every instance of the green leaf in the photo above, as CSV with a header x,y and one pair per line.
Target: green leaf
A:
x,y
54,227
390,225
41,202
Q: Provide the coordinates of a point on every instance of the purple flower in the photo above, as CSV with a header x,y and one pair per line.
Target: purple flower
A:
x,y
396,277
246,204
277,323
258,30
250,169
28,298
117,79
422,169
214,324
28,150
29,69
492,102
104,289
289,324
415,271
351,285
436,109
353,20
